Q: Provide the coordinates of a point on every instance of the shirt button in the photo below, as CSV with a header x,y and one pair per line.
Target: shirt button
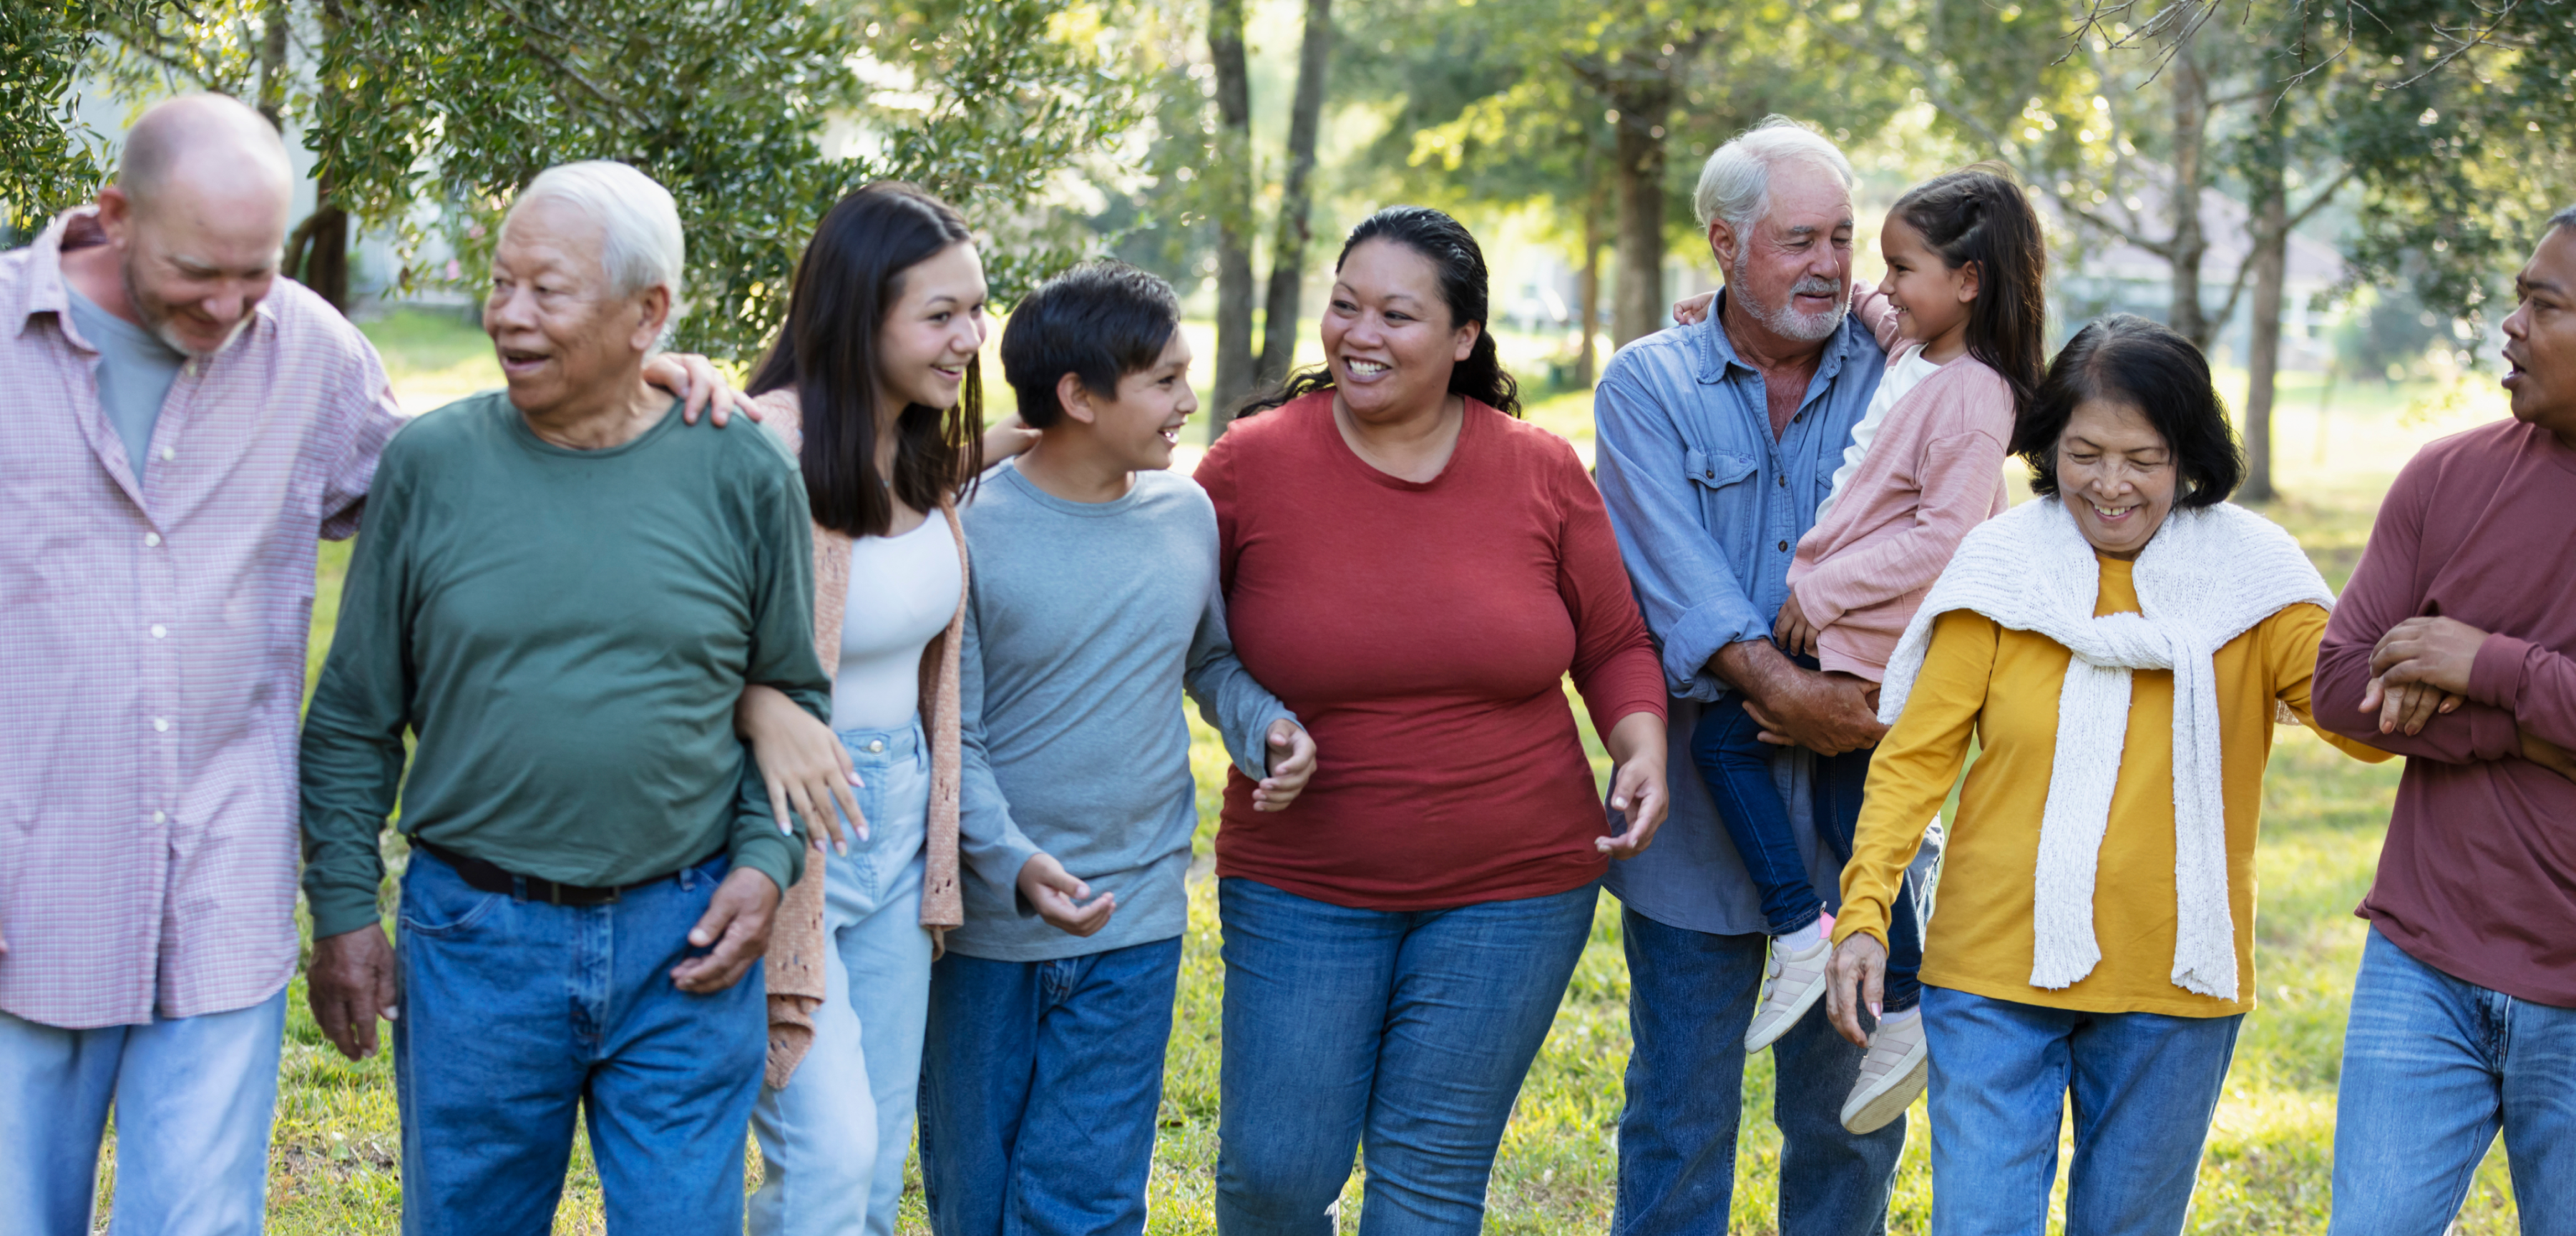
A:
x,y
1784,545
1710,474
161,723
160,818
875,745
151,540
1784,480
169,453
159,631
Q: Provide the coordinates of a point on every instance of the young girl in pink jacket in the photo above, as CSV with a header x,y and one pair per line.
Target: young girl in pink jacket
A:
x,y
1961,316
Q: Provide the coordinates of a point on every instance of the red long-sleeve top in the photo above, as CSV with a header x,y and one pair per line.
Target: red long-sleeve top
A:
x,y
2478,875
1422,632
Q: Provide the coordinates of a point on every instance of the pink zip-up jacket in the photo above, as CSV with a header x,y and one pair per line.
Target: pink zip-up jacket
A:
x,y
1934,471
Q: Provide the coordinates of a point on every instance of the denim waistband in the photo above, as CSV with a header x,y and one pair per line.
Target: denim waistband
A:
x,y
888,746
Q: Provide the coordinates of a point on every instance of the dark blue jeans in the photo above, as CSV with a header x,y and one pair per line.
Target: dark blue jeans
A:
x,y
1402,1034
1039,1086
1690,997
1736,763
2144,1086
2434,1067
517,1016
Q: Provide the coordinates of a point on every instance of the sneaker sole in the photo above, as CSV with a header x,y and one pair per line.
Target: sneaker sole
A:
x,y
1890,1104
1797,1013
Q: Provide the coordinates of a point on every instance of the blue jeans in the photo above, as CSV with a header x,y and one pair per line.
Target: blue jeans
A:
x,y
833,1140
1736,764
2433,1067
1039,1090
516,1013
1401,1034
2144,1084
1690,997
192,1096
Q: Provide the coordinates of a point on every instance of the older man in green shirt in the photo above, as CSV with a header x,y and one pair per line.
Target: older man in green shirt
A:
x,y
560,591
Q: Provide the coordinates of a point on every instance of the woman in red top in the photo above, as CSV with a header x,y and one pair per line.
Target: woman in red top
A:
x,y
1415,572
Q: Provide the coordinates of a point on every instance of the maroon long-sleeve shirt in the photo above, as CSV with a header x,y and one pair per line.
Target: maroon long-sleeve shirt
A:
x,y
2478,875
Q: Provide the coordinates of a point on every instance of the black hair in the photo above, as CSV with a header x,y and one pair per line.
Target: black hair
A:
x,y
1099,321
1452,251
2126,359
849,278
1978,214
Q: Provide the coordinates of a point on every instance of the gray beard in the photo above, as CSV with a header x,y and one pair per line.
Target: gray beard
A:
x,y
1786,322
158,322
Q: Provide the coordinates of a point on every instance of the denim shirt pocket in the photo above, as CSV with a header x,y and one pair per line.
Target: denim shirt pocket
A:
x,y
1730,508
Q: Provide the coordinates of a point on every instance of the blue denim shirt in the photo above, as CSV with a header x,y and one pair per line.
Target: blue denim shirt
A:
x,y
1709,509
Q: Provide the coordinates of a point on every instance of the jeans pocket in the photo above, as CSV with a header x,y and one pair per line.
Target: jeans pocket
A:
x,y
438,904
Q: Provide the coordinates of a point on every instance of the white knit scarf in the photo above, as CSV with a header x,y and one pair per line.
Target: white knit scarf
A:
x,y
2208,576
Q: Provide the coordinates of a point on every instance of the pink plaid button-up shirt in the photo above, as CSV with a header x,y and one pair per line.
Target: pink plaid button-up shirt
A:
x,y
152,646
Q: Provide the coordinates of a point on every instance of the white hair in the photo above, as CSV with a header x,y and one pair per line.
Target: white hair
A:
x,y
1735,183
640,239
2564,218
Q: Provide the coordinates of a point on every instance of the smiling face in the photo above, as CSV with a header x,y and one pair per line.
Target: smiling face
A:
x,y
1931,297
932,331
1143,423
2116,474
1791,270
200,256
562,330
2540,338
1388,337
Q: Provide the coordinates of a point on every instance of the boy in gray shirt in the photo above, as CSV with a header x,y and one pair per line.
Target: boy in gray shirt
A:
x,y
1093,603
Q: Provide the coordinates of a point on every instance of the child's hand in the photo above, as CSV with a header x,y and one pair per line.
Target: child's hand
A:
x,y
1292,764
1795,635
1058,897
803,764
1693,310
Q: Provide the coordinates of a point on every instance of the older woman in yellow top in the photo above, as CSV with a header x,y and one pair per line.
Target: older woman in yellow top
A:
x,y
2117,649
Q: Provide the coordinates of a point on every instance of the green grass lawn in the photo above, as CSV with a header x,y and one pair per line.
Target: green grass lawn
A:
x,y
336,1148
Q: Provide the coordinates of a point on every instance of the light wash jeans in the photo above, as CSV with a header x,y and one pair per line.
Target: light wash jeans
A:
x,y
192,1096
2144,1086
520,1017
2433,1068
1403,1035
1039,1090
833,1141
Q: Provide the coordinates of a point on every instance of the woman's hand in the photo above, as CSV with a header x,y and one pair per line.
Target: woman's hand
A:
x,y
1637,789
700,386
1693,310
1291,762
802,762
1795,634
1007,437
1857,976
2407,705
1058,897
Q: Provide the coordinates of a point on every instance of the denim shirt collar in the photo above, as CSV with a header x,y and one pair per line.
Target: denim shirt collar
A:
x,y
1716,352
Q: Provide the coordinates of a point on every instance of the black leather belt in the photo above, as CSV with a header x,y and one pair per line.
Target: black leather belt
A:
x,y
489,878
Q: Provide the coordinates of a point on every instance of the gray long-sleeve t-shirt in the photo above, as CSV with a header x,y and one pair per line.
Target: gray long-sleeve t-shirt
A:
x,y
1085,622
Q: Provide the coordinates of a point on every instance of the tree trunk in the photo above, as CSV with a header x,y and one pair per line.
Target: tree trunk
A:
x,y
1587,291
1288,248
272,63
2271,269
1638,171
1233,210
317,251
2190,131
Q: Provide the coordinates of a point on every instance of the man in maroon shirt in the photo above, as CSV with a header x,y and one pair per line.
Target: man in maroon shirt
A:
x,y
2455,646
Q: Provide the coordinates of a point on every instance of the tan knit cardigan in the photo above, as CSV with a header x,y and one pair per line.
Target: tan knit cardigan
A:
x,y
794,969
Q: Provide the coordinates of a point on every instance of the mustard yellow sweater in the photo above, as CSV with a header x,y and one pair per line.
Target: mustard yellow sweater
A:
x,y
2000,687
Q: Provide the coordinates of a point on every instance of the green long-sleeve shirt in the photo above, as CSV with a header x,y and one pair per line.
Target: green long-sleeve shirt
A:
x,y
566,633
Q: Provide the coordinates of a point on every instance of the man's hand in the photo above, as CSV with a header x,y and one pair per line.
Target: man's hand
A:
x,y
700,386
1795,634
1857,976
737,925
1825,713
2437,652
802,762
1637,790
1292,764
1059,897
350,983
2548,755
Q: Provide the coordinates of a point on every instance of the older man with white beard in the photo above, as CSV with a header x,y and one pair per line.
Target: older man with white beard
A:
x,y
182,426
1716,442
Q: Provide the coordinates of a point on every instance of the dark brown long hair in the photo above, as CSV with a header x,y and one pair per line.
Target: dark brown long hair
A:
x,y
849,279
1978,214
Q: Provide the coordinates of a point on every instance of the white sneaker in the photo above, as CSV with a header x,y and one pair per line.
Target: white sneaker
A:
x,y
1898,1063
1792,982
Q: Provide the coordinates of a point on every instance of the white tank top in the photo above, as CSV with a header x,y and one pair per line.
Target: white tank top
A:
x,y
903,590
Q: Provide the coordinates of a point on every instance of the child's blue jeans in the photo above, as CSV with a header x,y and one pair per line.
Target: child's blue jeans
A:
x,y
1736,763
